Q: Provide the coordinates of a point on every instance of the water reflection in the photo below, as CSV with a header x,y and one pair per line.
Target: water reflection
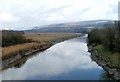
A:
x,y
65,60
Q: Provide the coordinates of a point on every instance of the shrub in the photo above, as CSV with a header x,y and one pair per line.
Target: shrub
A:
x,y
12,38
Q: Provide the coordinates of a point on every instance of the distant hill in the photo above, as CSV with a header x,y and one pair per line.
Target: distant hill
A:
x,y
72,27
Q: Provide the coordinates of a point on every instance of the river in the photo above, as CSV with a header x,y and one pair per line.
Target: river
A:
x,y
67,60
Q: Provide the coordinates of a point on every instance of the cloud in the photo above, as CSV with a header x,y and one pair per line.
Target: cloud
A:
x,y
7,17
29,13
54,17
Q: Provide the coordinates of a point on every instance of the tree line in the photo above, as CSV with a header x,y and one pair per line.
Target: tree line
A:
x,y
109,37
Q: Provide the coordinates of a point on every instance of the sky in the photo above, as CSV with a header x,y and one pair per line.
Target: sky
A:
x,y
25,14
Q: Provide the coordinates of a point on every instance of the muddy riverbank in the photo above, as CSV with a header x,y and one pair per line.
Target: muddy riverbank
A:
x,y
101,62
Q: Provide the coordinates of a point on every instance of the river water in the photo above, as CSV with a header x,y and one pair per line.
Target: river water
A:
x,y
68,60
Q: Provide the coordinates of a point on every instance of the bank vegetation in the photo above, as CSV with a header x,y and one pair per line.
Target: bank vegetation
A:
x,y
107,42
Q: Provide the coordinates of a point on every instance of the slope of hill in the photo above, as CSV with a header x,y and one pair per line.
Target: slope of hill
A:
x,y
72,27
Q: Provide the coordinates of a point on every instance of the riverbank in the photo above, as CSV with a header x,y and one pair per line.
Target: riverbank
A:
x,y
104,62
39,47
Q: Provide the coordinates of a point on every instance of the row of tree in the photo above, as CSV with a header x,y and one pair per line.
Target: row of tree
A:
x,y
108,36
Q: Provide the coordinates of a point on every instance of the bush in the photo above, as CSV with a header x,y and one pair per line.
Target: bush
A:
x,y
12,38
95,37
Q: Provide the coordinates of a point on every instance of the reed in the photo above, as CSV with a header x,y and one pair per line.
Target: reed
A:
x,y
11,51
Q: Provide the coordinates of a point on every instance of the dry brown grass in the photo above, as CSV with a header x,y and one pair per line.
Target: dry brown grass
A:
x,y
13,50
49,36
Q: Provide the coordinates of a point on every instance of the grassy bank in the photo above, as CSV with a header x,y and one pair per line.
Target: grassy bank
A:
x,y
110,58
10,51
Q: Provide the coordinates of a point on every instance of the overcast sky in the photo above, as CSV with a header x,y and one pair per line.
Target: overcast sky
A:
x,y
23,14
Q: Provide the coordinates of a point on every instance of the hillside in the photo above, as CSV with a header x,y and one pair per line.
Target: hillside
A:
x,y
72,27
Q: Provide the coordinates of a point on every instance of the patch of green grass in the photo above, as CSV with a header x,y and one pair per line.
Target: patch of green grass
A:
x,y
110,58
